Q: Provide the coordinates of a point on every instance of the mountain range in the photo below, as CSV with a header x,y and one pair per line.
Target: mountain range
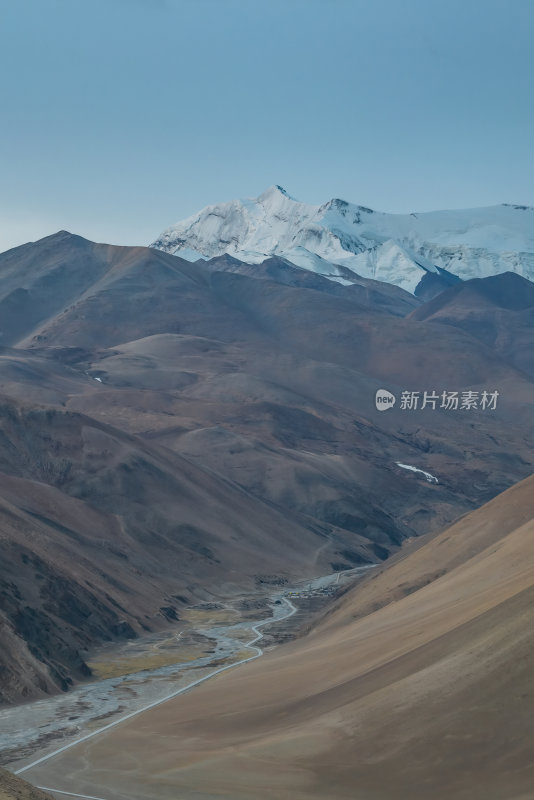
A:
x,y
175,430
420,252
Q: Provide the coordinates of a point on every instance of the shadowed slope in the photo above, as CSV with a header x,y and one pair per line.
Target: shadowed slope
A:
x,y
105,535
498,311
364,291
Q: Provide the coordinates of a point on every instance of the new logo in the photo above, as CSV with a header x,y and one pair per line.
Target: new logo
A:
x,y
384,400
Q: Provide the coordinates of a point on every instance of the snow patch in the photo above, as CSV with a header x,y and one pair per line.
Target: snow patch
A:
x,y
430,478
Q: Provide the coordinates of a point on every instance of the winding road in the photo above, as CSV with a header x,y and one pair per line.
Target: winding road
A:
x,y
252,644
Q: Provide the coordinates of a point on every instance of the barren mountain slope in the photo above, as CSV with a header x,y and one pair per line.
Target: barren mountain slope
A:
x,y
365,291
250,397
13,788
498,311
274,384
105,535
416,685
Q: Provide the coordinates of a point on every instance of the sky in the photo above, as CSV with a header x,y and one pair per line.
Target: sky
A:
x,y
120,117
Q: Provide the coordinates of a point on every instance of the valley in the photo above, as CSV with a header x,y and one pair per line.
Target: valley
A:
x,y
401,689
194,472
266,400
145,673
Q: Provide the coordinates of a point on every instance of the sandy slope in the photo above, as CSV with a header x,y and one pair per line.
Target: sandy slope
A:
x,y
417,685
12,788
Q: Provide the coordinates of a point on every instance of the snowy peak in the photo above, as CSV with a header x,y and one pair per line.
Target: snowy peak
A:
x,y
272,193
339,239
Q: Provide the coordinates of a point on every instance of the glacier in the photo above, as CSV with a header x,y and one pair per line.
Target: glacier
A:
x,y
339,239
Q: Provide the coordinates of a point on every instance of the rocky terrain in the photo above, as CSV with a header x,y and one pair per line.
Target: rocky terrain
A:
x,y
175,431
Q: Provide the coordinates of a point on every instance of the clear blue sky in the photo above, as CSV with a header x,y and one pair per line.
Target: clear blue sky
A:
x,y
120,117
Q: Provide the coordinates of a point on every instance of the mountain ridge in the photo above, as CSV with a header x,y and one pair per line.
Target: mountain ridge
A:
x,y
149,373
338,238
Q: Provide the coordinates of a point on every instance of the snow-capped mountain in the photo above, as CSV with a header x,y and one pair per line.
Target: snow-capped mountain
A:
x,y
338,239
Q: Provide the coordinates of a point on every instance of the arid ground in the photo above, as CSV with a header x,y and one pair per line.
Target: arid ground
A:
x,y
416,685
